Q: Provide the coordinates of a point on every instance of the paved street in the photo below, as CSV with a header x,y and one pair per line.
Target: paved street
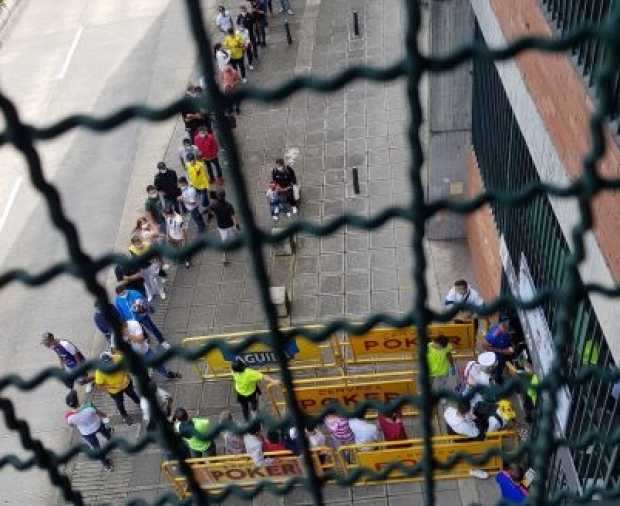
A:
x,y
57,59
350,273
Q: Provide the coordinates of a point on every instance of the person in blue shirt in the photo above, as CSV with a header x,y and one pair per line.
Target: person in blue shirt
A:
x,y
510,485
499,341
132,305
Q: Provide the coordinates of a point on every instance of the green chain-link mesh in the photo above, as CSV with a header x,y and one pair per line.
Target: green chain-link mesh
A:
x,y
412,67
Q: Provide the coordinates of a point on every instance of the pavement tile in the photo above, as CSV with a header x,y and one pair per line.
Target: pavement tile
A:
x,y
146,469
395,489
368,492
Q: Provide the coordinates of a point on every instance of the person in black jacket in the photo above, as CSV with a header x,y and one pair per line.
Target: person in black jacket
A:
x,y
247,20
284,177
166,183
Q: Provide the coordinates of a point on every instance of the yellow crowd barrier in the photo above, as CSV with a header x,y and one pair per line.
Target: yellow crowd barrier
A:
x,y
302,354
388,344
315,394
376,456
375,347
213,473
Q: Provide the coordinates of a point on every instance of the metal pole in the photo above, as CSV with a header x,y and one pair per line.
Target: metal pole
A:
x,y
356,180
289,38
356,24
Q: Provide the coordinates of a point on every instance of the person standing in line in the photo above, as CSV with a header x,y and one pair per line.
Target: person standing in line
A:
x,y
284,176
249,51
208,147
117,384
223,20
191,429
363,431
222,56
253,442
187,148
189,201
462,293
226,219
339,430
247,20
176,230
510,482
153,205
259,12
233,443
134,335
392,426
164,399
499,341
247,388
235,45
228,79
69,356
103,325
166,183
197,177
88,420
132,305
285,6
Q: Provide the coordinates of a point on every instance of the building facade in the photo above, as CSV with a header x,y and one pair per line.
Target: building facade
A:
x,y
530,124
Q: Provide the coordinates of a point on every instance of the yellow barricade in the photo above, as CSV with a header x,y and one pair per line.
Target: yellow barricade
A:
x,y
377,456
213,473
314,394
388,344
302,353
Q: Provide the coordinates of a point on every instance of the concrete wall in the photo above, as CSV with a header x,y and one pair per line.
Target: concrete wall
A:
x,y
451,25
552,109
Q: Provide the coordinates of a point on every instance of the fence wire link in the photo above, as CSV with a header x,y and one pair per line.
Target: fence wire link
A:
x,y
412,67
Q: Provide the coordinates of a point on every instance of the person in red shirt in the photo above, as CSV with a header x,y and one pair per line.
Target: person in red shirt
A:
x,y
392,426
207,144
272,442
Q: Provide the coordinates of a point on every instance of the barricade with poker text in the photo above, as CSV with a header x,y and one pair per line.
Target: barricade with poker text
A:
x,y
214,473
377,456
315,394
388,344
302,354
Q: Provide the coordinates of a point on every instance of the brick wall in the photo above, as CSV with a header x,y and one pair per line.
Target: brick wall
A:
x,y
482,237
561,100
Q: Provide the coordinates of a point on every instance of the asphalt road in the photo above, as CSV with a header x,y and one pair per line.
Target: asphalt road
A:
x,y
58,58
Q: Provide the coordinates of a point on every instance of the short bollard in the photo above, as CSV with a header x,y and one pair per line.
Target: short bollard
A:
x,y
289,38
356,23
356,180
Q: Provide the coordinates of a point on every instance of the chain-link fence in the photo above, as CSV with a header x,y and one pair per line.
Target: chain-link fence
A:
x,y
413,66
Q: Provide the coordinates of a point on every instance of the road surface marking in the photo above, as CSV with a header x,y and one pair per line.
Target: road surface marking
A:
x,y
65,65
10,202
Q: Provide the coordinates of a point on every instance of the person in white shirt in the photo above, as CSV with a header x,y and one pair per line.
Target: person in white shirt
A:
x,y
245,34
223,20
364,432
460,421
461,293
134,335
89,422
186,148
479,372
189,200
164,399
222,57
253,442
176,229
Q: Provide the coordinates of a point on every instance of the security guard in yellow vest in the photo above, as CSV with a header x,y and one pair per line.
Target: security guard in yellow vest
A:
x,y
191,429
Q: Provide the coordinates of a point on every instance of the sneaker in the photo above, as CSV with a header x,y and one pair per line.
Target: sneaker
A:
x,y
107,466
288,214
165,267
275,218
166,345
162,295
281,11
294,209
244,80
251,67
478,473
187,264
173,375
290,12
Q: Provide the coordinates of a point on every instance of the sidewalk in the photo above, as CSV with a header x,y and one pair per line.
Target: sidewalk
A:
x,y
351,272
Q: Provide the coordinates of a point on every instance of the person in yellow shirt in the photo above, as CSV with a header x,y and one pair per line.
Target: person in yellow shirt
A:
x,y
439,359
117,384
235,44
198,177
247,388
